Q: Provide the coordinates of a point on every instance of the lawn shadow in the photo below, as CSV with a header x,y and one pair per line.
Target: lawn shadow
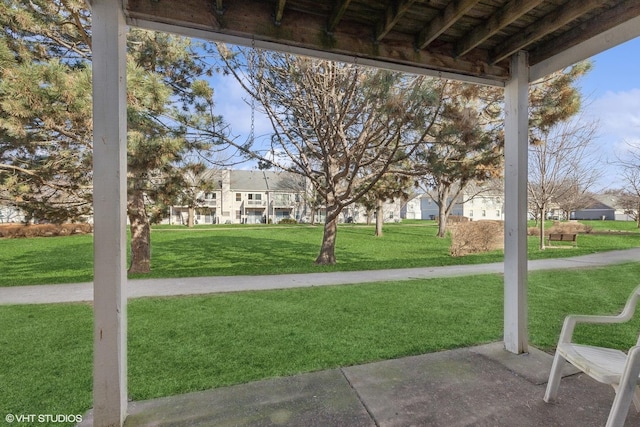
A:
x,y
222,254
44,264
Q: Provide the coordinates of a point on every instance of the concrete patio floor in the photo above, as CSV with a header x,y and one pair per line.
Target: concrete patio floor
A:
x,y
478,386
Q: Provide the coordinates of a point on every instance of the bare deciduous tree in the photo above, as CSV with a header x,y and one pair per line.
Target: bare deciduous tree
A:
x,y
561,165
340,125
576,196
629,162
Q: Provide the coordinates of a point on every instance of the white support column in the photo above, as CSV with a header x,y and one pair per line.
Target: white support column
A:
x,y
109,210
515,227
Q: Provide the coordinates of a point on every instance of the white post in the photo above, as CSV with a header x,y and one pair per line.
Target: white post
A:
x,y
515,226
109,203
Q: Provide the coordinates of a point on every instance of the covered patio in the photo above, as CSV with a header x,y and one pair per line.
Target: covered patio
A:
x,y
479,386
498,42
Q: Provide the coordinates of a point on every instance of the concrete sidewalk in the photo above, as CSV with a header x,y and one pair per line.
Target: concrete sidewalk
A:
x,y
477,386
78,292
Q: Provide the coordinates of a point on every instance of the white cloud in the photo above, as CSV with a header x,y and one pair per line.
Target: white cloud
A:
x,y
618,116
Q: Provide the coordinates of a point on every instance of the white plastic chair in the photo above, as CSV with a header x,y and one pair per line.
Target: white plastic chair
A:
x,y
606,365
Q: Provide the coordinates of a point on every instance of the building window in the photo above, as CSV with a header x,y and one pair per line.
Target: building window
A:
x,y
210,196
484,213
471,213
238,197
238,215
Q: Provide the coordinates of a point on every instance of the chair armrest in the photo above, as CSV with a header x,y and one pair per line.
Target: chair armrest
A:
x,y
626,314
571,321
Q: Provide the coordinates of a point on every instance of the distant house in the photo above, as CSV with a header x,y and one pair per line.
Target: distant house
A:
x,y
423,206
411,209
10,213
602,207
247,197
480,204
257,196
486,205
357,213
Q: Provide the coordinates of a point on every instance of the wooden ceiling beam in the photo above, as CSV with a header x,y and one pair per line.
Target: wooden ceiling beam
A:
x,y
542,27
502,18
617,15
392,15
454,11
250,23
279,11
337,14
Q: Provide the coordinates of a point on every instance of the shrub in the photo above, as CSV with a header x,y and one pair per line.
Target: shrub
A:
x,y
453,219
475,237
571,227
43,230
287,221
10,230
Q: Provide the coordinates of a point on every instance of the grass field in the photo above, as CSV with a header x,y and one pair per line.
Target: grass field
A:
x,y
233,250
190,343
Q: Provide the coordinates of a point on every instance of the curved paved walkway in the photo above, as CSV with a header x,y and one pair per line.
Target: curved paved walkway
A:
x,y
78,292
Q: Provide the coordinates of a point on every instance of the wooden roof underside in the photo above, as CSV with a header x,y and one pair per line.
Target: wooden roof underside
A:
x,y
469,38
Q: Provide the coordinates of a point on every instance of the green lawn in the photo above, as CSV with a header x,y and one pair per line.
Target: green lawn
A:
x,y
232,250
197,342
182,344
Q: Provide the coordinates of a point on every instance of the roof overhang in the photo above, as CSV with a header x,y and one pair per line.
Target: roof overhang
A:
x,y
468,40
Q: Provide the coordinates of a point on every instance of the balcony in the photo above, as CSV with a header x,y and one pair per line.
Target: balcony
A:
x,y
282,201
210,203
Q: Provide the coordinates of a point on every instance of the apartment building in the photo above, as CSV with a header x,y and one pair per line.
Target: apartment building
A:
x,y
247,197
9,213
257,196
476,204
488,205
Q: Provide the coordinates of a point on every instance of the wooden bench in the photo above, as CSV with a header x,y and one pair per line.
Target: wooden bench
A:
x,y
563,237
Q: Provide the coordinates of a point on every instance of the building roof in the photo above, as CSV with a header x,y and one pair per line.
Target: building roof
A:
x,y
260,180
603,201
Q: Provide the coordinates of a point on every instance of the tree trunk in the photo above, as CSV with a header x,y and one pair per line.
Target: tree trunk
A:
x,y
190,217
140,233
542,215
379,217
442,221
327,250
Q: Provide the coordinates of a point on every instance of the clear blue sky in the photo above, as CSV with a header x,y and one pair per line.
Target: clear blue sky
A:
x,y
611,96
